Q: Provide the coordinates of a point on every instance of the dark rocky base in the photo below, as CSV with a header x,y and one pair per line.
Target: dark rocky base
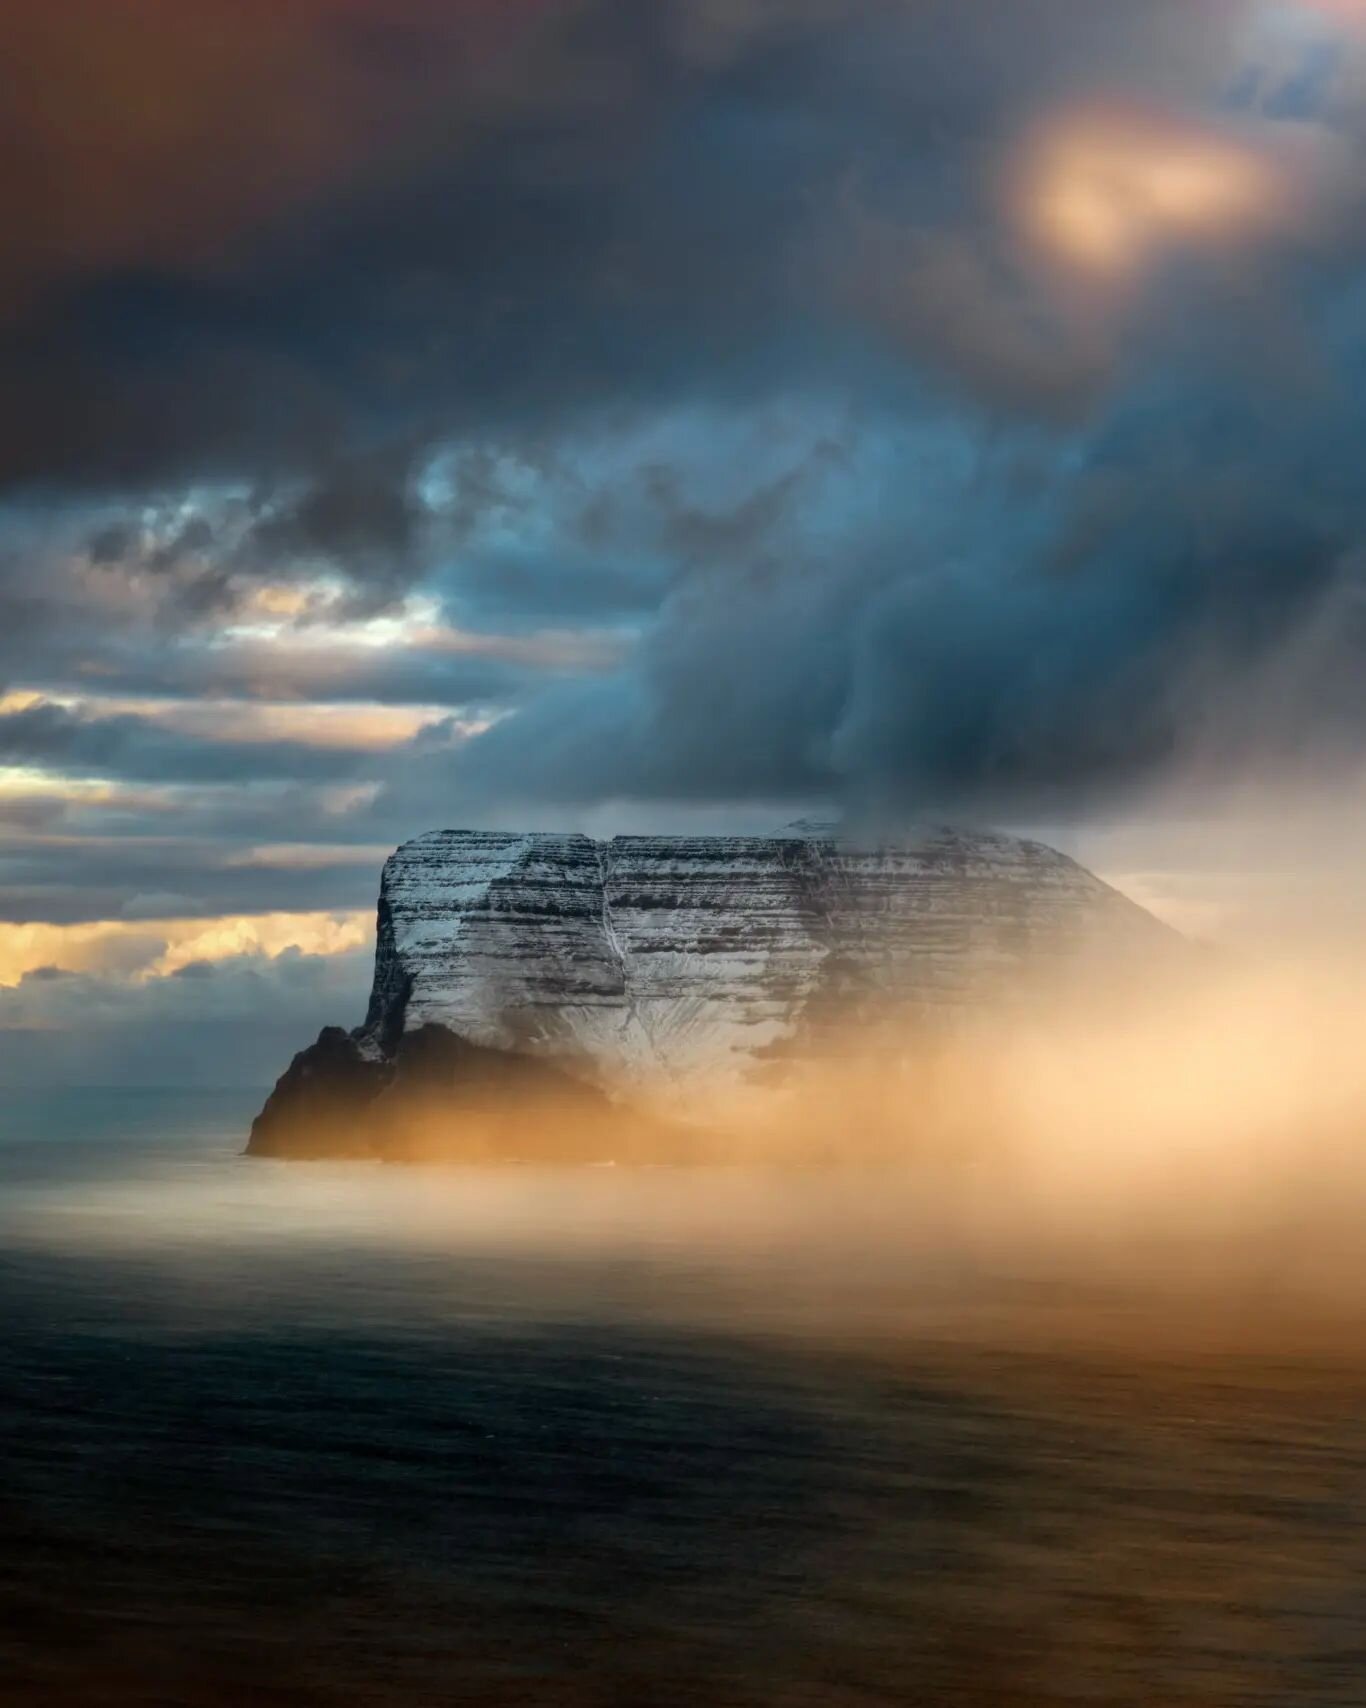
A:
x,y
440,1098
320,1105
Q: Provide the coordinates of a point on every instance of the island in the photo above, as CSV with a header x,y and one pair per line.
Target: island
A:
x,y
542,995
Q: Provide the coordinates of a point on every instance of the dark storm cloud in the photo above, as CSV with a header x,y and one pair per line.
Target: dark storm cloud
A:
x,y
378,237
361,516
957,307
1049,626
372,218
165,606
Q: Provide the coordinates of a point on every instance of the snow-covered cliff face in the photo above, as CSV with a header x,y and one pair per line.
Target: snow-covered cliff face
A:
x,y
659,958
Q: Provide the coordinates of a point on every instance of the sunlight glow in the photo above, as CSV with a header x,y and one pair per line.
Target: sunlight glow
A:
x,y
1349,11
21,781
1106,191
317,612
315,625
154,948
368,726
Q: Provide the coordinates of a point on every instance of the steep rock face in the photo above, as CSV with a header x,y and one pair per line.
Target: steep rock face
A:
x,y
513,972
658,957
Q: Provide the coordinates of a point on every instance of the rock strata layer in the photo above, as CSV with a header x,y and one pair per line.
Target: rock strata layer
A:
x,y
661,962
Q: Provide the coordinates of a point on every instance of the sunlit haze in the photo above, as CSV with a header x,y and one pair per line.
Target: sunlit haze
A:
x,y
682,853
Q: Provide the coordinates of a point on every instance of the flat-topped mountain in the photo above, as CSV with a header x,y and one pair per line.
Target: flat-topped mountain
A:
x,y
661,962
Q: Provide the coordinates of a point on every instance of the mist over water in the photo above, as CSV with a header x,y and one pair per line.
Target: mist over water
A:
x,y
1065,1407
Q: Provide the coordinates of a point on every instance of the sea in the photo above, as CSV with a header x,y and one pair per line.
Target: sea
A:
x,y
325,1435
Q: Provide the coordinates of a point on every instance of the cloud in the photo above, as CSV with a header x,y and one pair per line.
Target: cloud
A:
x,y
1001,630
157,947
141,749
362,518
197,851
162,170
963,307
446,217
1104,192
171,1000
208,1023
423,413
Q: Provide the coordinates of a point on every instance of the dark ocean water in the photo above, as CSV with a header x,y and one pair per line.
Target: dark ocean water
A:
x,y
322,1435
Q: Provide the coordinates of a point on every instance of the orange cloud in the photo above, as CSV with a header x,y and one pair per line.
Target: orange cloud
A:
x,y
325,724
148,949
1104,192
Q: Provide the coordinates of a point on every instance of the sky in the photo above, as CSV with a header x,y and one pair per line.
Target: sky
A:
x,y
607,415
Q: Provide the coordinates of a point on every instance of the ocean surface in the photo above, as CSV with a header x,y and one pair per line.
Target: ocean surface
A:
x,y
324,1435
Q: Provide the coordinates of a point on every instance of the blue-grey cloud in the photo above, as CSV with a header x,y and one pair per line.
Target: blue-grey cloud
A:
x,y
218,1023
702,340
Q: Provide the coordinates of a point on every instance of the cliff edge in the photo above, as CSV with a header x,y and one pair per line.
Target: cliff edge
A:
x,y
514,973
